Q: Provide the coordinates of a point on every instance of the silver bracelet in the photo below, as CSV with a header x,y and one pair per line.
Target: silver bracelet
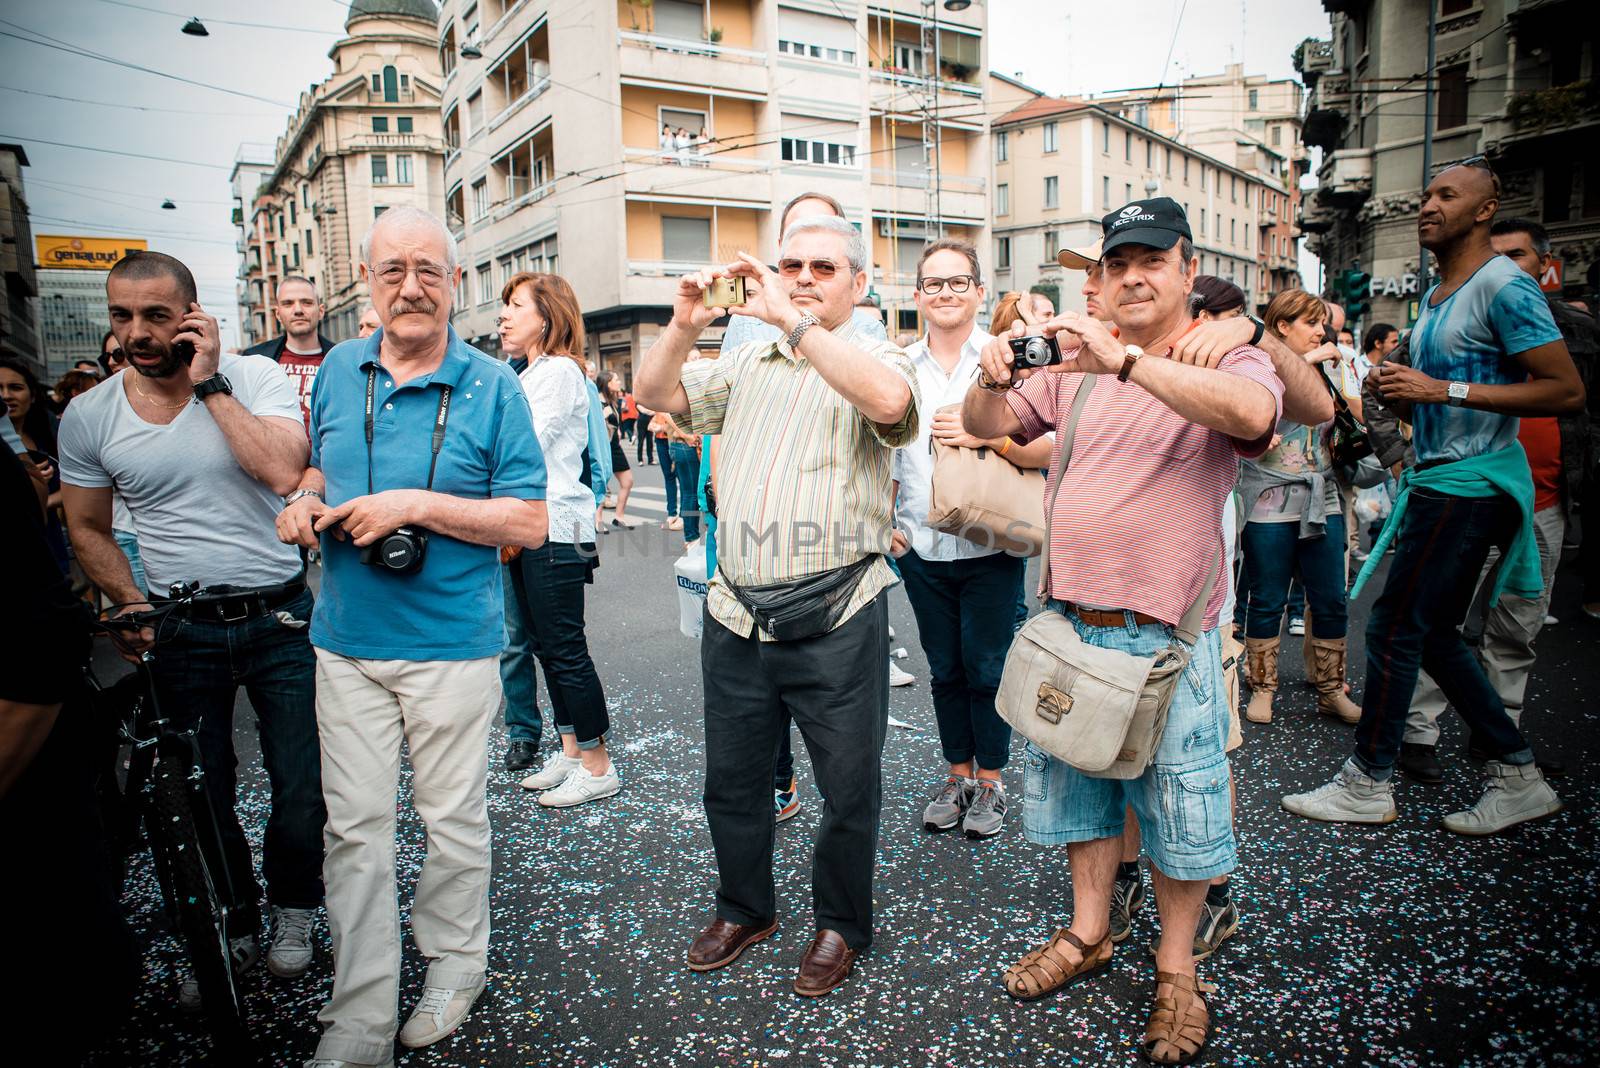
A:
x,y
297,494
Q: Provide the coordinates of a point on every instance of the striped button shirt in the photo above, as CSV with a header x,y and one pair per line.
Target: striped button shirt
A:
x,y
1138,522
803,478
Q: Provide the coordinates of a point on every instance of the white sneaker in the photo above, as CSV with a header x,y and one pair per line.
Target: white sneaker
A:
x,y
1297,626
557,766
1516,794
897,677
439,1012
1352,797
891,634
245,950
329,1062
291,952
581,786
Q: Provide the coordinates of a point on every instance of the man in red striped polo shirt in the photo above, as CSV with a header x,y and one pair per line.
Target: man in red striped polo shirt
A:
x,y
1136,532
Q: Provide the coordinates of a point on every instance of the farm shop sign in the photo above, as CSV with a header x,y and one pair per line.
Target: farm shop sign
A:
x,y
84,253
1396,286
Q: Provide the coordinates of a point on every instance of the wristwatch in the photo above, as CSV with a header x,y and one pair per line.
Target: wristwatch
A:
x,y
1131,355
1457,394
297,494
217,383
807,321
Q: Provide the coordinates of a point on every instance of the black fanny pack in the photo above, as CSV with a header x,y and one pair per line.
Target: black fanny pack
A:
x,y
804,607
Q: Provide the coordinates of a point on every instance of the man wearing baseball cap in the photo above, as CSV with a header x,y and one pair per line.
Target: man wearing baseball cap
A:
x,y
1135,545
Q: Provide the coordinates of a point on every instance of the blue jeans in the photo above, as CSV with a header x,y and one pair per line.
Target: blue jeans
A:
x,y
1273,554
1439,553
549,586
1182,798
664,455
686,473
199,667
966,611
128,542
516,667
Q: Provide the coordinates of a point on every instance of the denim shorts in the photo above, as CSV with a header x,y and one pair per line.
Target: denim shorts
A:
x,y
1182,799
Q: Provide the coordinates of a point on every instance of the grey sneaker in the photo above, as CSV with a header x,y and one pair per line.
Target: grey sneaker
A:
x,y
290,953
1352,797
1516,794
1217,924
986,812
557,766
1127,897
949,804
439,1012
246,952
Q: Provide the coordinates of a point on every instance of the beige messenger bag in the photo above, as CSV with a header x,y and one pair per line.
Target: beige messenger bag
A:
x,y
1102,711
979,495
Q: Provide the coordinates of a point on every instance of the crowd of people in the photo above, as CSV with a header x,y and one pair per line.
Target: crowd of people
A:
x,y
1196,470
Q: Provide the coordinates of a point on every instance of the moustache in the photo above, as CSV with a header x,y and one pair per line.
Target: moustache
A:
x,y
803,292
409,307
1134,297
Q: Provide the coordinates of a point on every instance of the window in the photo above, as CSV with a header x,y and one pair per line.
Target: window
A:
x,y
452,128
1247,196
1149,154
826,153
680,18
292,218
475,113
685,240
380,170
402,169
1186,170
405,83
1233,231
1452,98
1002,199
390,85
1202,222
1277,136
1127,145
1049,137
1052,191
811,51
310,250
1002,254
1105,138
296,248
1255,99
485,284
1169,162
402,124
1203,169
305,195
1002,147
380,124
1127,192
1052,245
1105,194
480,198
1454,7
379,209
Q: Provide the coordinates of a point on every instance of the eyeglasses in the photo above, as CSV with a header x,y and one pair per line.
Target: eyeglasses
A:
x,y
958,283
429,275
821,270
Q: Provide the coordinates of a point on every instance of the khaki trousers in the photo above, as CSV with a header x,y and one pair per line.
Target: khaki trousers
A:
x,y
365,710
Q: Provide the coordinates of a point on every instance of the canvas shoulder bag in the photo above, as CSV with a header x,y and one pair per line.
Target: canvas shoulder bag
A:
x,y
1102,711
979,495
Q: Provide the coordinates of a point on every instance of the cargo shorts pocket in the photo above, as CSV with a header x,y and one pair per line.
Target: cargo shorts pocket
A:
x,y
1035,773
1195,804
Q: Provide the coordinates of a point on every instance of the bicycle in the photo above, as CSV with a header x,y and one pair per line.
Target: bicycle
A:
x,y
165,790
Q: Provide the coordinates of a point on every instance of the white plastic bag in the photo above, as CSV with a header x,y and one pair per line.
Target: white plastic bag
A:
x,y
1372,505
690,571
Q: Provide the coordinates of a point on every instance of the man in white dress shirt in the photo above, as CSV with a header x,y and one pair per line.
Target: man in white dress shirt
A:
x,y
964,595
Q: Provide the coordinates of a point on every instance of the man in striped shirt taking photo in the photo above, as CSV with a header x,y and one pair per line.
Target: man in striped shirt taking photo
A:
x,y
1136,535
796,614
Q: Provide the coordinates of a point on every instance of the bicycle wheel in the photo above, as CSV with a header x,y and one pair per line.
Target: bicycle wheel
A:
x,y
203,919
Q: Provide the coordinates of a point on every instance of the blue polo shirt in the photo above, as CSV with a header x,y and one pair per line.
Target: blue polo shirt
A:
x,y
452,609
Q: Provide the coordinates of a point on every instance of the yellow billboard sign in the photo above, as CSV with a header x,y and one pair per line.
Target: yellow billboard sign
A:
x,y
84,253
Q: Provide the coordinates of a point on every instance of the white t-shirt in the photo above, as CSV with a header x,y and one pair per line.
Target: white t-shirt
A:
x,y
199,517
558,397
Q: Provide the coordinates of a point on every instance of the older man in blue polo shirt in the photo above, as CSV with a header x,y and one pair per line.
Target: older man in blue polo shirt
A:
x,y
423,460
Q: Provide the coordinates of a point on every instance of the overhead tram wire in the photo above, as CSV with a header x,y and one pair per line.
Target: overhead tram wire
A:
x,y
212,20
117,152
133,107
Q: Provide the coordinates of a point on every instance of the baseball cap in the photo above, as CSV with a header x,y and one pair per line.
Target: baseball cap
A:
x,y
1079,259
1158,222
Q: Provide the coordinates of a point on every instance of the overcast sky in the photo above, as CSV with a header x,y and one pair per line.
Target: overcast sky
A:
x,y
1071,47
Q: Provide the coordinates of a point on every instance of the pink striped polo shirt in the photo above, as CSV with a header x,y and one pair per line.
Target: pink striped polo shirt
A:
x,y
1138,521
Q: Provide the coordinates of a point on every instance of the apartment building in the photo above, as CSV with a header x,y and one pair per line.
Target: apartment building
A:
x,y
366,139
1253,123
19,333
554,118
1061,164
252,164
1514,81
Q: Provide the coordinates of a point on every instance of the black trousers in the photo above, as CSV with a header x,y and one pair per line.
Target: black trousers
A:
x,y
836,690
549,586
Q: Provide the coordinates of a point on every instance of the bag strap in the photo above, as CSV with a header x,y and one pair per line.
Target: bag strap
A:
x,y
1067,434
1189,626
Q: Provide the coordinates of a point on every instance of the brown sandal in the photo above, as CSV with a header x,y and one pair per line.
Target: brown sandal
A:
x,y
1047,969
1179,1025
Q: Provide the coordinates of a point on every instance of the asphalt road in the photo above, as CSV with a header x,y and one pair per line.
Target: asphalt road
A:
x,y
1396,946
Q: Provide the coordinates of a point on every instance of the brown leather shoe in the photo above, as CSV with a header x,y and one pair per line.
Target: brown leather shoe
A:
x,y
825,966
722,942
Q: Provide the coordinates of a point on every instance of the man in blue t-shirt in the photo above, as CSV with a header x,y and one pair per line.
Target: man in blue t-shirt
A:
x,y
412,431
1484,352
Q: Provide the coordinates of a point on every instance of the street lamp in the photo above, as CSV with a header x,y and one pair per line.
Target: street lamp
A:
x,y
195,28
471,51
168,205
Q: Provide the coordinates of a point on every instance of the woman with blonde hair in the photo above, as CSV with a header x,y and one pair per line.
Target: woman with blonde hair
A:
x,y
542,321
1294,523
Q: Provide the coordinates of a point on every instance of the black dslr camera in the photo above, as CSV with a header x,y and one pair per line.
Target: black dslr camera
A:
x,y
401,551
1035,350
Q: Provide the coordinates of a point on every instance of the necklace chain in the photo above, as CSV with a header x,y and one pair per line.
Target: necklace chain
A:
x,y
162,404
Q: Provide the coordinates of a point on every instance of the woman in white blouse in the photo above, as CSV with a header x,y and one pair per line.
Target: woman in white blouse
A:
x,y
542,321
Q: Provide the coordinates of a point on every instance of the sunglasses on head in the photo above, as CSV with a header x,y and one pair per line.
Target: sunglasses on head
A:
x,y
820,269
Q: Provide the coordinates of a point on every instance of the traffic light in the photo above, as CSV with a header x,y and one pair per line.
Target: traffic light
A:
x,y
1357,293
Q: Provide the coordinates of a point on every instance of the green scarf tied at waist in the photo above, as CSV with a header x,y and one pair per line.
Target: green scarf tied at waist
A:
x,y
1503,471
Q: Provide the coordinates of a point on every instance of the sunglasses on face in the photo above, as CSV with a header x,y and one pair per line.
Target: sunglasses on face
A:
x,y
958,283
821,270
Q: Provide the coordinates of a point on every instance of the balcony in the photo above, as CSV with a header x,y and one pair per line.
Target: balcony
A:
x,y
1313,59
649,58
718,175
1346,175
521,195
962,199
385,142
533,92
397,96
1542,113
